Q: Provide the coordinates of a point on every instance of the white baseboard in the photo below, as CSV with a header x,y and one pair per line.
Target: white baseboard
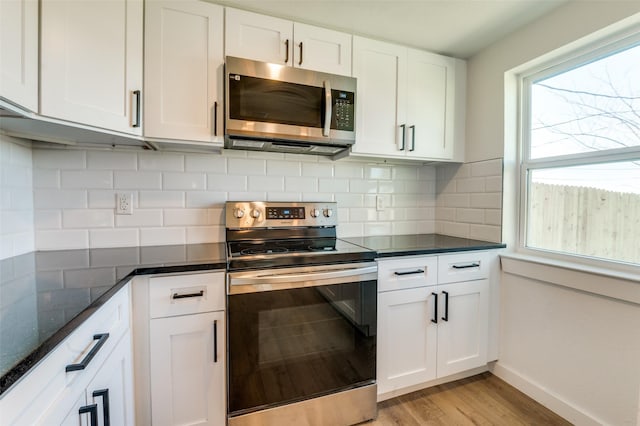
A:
x,y
545,397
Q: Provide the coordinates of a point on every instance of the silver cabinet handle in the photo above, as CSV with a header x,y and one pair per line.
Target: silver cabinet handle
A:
x,y
413,138
327,108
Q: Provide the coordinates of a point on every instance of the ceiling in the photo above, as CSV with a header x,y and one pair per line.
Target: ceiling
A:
x,y
458,28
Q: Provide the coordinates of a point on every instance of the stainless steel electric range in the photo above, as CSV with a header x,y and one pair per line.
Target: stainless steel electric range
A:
x,y
302,315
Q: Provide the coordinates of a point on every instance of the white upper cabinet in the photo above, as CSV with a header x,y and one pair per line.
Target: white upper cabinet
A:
x,y
268,39
381,70
408,102
91,63
320,49
184,67
19,52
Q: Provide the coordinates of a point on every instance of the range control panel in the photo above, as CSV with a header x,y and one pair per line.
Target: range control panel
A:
x,y
265,214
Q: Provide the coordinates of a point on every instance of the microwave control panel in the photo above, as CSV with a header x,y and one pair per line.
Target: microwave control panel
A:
x,y
343,110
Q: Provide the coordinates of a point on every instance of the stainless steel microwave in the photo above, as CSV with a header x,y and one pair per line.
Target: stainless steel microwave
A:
x,y
272,107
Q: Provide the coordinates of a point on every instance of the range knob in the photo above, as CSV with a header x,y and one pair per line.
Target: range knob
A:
x,y
328,212
255,213
238,213
315,212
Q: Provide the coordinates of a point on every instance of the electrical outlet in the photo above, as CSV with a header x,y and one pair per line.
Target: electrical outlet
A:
x,y
380,203
124,203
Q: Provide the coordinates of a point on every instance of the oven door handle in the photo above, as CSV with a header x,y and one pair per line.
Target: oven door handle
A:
x,y
269,280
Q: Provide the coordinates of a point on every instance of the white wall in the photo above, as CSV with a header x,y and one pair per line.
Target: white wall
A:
x,y
179,198
577,352
485,71
16,198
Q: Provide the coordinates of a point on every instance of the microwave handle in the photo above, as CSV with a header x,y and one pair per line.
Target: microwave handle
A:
x,y
327,108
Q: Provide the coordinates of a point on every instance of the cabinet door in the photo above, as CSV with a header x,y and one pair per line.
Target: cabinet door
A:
x,y
407,339
258,37
380,107
19,52
187,370
322,50
184,67
91,66
430,80
112,387
463,326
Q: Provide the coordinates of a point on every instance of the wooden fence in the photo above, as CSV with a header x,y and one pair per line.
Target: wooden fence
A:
x,y
586,221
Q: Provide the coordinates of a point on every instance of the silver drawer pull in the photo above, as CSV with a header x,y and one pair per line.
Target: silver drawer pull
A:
x,y
187,295
470,265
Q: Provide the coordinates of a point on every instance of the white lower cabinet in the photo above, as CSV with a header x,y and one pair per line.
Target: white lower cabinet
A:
x,y
429,331
109,396
93,365
180,349
187,370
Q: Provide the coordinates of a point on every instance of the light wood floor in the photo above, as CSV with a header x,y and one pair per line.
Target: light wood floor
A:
x,y
479,400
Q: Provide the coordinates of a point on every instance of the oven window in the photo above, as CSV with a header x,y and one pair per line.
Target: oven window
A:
x,y
290,345
271,101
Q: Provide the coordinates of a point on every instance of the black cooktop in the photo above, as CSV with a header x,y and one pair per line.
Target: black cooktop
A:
x,y
294,252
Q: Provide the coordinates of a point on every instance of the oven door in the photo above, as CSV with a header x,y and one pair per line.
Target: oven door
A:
x,y
300,333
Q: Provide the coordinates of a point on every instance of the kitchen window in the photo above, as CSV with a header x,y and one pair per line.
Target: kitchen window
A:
x,y
580,168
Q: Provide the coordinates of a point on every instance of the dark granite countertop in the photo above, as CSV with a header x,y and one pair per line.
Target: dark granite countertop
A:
x,y
407,245
46,295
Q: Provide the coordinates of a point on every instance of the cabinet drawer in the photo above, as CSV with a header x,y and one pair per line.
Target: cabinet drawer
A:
x,y
404,273
186,294
467,266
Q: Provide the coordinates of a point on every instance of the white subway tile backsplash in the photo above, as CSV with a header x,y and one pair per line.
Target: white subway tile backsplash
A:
x,y
63,159
139,219
183,217
487,168
348,170
86,179
247,167
206,163
227,183
46,178
266,183
487,201
62,239
317,169
472,185
179,198
184,181
59,199
363,186
137,180
100,160
283,168
333,185
113,238
485,232
165,162
104,199
87,218
162,236
161,199
301,184
377,172
470,215
205,234
47,219
205,199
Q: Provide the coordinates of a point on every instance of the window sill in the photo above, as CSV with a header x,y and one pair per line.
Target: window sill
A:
x,y
603,282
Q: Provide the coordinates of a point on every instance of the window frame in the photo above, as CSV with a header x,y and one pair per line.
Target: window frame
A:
x,y
561,64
